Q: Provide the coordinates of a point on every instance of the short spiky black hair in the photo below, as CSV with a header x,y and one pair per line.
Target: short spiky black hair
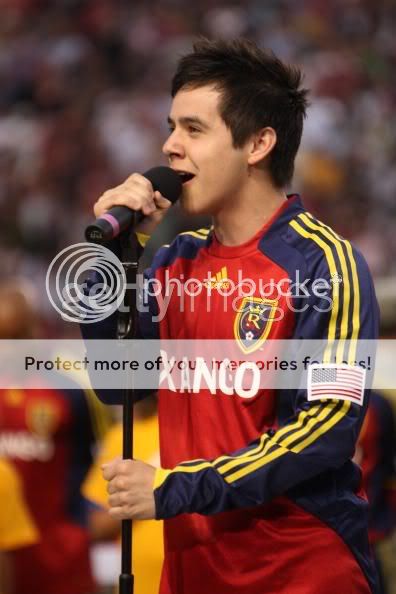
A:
x,y
258,91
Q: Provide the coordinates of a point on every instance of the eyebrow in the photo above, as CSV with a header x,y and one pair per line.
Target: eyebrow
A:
x,y
188,120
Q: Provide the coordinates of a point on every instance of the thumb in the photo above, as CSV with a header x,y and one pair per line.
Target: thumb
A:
x,y
161,202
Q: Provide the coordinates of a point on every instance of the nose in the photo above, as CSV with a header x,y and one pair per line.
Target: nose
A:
x,y
173,146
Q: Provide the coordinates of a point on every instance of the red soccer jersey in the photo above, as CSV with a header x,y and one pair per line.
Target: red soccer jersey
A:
x,y
260,495
48,435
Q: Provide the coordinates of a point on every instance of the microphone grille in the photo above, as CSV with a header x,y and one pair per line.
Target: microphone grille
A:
x,y
166,181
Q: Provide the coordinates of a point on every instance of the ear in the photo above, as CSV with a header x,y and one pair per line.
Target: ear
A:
x,y
261,144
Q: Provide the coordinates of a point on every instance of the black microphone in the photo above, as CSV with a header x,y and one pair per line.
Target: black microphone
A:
x,y
110,224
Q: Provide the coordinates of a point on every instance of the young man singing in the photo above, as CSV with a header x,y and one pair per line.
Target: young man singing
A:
x,y
259,496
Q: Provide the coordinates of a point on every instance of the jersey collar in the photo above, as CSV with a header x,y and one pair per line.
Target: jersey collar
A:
x,y
285,213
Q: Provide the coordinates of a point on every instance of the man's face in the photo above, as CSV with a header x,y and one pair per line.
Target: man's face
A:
x,y
201,144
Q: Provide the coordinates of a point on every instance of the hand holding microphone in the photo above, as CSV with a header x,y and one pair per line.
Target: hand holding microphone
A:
x,y
149,195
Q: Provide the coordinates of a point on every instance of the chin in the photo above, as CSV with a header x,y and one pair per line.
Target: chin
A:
x,y
192,207
196,206
196,209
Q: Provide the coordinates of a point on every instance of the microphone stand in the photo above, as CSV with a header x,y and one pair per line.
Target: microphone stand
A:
x,y
126,329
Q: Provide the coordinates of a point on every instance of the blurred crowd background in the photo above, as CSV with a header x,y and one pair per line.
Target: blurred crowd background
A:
x,y
85,92
84,95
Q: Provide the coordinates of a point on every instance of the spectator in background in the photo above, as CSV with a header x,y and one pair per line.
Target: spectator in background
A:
x,y
49,435
147,536
376,454
17,528
84,99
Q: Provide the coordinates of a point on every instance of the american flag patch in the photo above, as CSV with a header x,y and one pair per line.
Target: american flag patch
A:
x,y
342,382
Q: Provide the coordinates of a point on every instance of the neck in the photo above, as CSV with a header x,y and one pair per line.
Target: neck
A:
x,y
246,213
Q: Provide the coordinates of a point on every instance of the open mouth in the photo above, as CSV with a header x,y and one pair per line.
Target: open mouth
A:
x,y
185,176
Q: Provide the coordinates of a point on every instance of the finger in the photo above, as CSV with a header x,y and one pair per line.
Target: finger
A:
x,y
160,201
133,195
108,195
115,500
108,472
118,513
117,484
106,202
139,179
149,208
112,487
109,469
127,513
112,461
138,201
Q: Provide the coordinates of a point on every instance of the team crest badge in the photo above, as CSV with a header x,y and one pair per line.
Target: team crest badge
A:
x,y
253,322
42,418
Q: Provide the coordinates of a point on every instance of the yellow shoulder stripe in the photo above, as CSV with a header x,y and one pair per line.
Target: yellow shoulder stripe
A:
x,y
356,289
345,279
318,229
336,288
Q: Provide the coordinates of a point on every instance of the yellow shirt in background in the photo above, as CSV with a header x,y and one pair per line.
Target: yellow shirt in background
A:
x,y
147,540
16,525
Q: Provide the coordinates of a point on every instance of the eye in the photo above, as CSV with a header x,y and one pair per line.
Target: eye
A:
x,y
193,130
171,129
